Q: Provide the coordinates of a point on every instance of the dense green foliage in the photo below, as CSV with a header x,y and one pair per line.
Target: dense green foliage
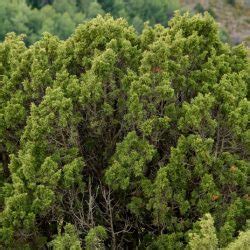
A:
x,y
203,237
60,17
119,140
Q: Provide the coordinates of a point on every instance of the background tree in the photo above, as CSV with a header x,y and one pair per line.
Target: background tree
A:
x,y
38,3
60,17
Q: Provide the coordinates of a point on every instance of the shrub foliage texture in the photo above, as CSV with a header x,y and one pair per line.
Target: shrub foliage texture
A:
x,y
116,140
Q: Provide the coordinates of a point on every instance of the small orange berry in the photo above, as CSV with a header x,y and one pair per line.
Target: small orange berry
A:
x,y
156,69
215,197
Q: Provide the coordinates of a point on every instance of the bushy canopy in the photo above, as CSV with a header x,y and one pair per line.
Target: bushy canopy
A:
x,y
123,140
60,17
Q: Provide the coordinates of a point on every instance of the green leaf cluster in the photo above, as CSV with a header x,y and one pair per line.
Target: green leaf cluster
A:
x,y
111,139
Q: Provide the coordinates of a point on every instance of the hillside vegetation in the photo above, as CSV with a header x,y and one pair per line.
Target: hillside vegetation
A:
x,y
61,17
232,15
